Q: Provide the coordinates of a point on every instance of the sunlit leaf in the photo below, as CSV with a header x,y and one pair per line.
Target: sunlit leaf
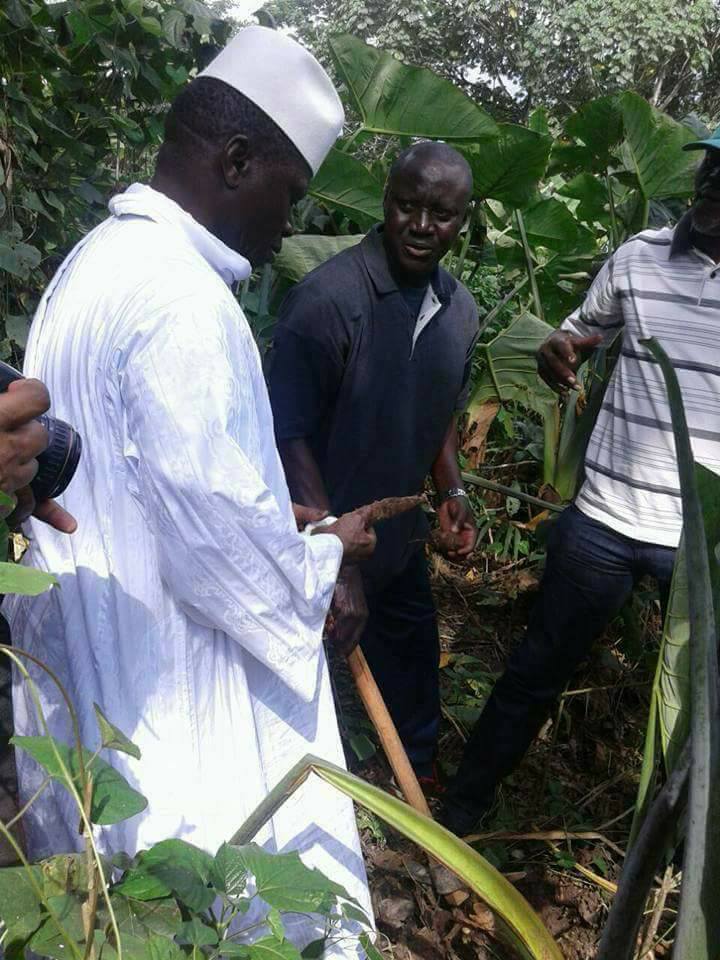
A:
x,y
394,98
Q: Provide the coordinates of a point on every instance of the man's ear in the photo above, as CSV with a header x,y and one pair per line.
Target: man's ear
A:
x,y
235,160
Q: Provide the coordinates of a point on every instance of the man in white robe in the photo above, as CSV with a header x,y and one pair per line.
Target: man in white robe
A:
x,y
189,608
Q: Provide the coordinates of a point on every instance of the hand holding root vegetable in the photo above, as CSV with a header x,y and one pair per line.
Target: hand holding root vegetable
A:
x,y
559,357
355,529
305,515
457,534
349,612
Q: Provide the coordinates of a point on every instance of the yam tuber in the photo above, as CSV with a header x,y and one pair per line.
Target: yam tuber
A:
x,y
388,508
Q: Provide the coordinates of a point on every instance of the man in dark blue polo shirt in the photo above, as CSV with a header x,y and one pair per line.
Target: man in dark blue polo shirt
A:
x,y
369,368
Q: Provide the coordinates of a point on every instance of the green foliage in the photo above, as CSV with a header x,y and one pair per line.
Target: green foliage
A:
x,y
393,98
83,85
304,252
113,799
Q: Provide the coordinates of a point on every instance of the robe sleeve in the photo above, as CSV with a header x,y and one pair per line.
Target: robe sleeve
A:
x,y
198,434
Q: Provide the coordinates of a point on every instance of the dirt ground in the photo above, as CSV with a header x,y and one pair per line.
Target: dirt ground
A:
x,y
562,821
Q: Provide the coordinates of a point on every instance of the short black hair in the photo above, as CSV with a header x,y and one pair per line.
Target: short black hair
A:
x,y
209,112
426,151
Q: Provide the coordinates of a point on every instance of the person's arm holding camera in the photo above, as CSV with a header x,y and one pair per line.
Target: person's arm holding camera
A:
x,y
22,440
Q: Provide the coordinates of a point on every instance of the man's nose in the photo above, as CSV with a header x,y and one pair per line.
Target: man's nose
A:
x,y
288,230
421,222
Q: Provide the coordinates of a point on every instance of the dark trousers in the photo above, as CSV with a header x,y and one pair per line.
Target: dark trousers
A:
x,y
402,647
589,574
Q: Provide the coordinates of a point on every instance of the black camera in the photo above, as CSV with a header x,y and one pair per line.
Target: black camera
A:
x,y
58,462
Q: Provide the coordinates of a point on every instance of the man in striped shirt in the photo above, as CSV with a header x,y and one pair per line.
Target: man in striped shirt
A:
x,y
627,518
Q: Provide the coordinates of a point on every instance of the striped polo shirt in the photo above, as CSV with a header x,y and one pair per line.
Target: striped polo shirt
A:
x,y
655,285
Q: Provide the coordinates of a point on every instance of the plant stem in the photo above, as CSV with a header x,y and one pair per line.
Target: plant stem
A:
x,y
530,265
272,803
511,492
614,237
472,223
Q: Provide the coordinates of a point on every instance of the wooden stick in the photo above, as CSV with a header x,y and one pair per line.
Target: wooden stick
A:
x,y
382,721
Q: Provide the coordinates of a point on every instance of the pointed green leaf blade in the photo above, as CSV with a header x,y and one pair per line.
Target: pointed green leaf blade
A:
x,y
113,738
25,581
652,150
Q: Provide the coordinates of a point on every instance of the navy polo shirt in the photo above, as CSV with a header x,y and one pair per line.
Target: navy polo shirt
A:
x,y
345,375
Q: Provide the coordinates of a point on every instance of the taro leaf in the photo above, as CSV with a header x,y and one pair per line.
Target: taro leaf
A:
x,y
591,193
20,908
698,920
652,150
508,167
113,799
112,737
598,124
48,941
228,873
549,223
397,99
196,934
270,948
304,252
344,183
25,581
283,881
510,368
171,867
539,120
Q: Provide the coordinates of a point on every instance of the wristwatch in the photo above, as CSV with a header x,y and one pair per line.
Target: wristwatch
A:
x,y
453,492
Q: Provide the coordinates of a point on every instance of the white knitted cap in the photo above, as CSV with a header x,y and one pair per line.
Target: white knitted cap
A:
x,y
284,79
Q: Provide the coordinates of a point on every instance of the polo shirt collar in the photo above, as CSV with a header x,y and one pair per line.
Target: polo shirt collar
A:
x,y
377,266
681,242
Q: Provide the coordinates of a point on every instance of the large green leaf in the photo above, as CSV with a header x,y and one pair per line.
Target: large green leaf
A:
x,y
508,167
171,867
49,941
302,253
283,881
26,581
510,367
113,799
698,922
598,124
344,183
397,99
515,916
592,194
228,873
549,223
20,908
652,150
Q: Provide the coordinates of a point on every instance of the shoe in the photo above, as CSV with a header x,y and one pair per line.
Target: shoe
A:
x,y
431,783
460,820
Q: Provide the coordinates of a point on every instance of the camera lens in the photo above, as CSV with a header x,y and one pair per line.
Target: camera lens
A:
x,y
57,464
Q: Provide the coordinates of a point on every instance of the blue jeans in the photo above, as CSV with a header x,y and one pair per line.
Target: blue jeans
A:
x,y
589,574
